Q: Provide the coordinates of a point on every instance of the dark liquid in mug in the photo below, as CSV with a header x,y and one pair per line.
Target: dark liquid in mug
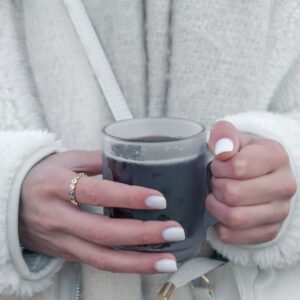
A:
x,y
181,181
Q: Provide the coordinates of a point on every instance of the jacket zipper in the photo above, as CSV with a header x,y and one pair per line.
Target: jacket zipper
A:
x,y
68,285
78,286
76,282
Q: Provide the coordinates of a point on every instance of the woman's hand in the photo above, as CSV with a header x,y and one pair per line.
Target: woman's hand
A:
x,y
51,225
252,183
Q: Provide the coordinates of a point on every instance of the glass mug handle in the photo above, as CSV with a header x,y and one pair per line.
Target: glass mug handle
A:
x,y
209,220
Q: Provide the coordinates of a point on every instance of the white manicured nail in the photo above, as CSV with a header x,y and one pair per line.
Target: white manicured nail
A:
x,y
158,202
166,265
174,234
224,145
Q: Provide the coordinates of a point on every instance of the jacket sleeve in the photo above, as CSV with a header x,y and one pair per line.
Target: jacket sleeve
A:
x,y
280,123
24,141
280,83
20,273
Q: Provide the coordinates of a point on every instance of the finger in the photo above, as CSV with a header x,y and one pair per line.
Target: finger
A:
x,y
116,232
48,244
89,162
72,248
280,185
106,193
224,140
258,234
254,160
244,217
119,260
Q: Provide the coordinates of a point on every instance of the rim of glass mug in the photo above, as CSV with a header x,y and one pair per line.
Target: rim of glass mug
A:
x,y
110,130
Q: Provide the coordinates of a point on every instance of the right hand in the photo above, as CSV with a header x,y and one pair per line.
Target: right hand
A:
x,y
51,225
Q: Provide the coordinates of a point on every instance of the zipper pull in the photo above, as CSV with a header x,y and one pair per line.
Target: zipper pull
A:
x,y
166,291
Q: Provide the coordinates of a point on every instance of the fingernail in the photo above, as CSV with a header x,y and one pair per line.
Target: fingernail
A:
x,y
223,145
166,265
158,202
173,234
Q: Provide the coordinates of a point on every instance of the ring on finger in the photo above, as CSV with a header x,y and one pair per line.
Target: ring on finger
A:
x,y
72,188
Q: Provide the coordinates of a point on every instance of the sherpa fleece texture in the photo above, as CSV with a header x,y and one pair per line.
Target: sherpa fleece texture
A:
x,y
23,137
16,149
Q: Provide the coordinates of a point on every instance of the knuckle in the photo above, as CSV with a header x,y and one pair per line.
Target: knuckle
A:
x,y
45,218
97,262
43,185
208,202
231,193
102,236
144,234
47,223
269,233
239,167
101,265
213,183
280,152
130,200
284,212
234,219
48,189
42,188
284,157
43,178
291,187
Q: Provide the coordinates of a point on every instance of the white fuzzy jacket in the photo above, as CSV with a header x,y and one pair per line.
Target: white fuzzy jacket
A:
x,y
202,60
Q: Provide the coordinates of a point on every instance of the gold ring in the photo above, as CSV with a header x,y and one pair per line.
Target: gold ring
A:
x,y
72,188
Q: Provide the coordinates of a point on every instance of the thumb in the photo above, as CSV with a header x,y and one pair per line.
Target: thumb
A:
x,y
89,162
224,140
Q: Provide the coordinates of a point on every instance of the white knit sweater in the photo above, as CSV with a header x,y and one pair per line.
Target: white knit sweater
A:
x,y
202,60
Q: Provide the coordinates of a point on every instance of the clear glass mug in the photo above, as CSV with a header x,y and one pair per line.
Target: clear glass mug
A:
x,y
168,155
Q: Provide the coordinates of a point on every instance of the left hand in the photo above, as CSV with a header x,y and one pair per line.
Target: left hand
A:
x,y
252,184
